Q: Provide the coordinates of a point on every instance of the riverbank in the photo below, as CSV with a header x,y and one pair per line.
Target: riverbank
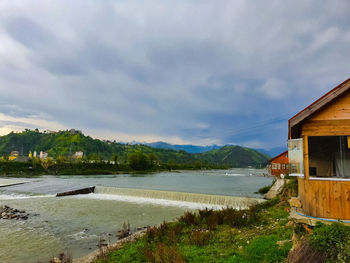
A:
x,y
259,234
14,168
263,233
104,250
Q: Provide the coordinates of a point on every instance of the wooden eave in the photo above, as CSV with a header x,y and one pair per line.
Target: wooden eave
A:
x,y
335,93
273,158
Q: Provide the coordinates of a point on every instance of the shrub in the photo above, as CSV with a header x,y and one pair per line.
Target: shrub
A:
x,y
212,221
151,233
199,237
305,253
158,233
268,204
334,240
240,218
203,214
188,218
264,190
164,253
125,232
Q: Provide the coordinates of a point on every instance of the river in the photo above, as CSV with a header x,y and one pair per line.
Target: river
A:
x,y
75,224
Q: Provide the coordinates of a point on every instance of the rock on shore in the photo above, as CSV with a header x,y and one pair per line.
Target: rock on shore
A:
x,y
7,212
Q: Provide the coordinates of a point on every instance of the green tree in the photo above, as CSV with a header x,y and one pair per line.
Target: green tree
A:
x,y
139,161
60,159
153,159
114,158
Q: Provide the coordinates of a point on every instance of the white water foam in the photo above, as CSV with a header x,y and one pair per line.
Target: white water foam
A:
x,y
228,174
144,200
13,196
84,234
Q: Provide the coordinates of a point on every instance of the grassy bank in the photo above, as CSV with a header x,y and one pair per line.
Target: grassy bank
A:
x,y
262,233
258,234
225,236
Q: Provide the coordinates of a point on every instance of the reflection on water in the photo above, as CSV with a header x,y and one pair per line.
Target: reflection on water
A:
x,y
76,223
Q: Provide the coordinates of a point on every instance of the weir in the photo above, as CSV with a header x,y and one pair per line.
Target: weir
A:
x,y
86,190
220,200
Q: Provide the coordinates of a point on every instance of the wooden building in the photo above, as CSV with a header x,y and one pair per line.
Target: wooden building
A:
x,y
319,153
279,165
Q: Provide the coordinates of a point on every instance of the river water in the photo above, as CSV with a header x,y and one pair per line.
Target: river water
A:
x,y
75,224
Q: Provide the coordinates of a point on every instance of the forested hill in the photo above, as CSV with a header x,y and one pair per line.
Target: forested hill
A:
x,y
66,143
187,147
235,156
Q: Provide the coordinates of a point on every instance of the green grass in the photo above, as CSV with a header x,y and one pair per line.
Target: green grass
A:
x,y
214,236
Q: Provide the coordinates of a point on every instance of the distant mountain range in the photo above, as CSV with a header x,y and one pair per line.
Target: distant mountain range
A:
x,y
66,143
273,151
201,149
187,148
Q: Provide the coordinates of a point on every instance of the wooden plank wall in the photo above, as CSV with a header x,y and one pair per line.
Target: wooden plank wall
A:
x,y
327,199
332,120
336,110
326,128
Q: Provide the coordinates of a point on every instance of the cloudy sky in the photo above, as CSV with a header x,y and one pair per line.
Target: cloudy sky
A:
x,y
197,72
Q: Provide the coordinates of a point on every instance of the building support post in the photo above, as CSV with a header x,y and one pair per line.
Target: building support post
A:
x,y
306,157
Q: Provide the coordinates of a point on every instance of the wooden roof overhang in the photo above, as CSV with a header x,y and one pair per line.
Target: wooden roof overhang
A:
x,y
273,158
295,123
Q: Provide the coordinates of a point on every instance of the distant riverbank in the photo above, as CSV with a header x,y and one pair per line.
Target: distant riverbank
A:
x,y
87,168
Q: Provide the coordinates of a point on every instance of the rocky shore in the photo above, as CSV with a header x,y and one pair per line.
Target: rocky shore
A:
x,y
9,213
92,257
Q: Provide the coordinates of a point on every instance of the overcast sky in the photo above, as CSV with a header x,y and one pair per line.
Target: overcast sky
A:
x,y
200,72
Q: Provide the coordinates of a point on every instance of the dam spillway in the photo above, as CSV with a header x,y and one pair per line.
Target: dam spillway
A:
x,y
212,200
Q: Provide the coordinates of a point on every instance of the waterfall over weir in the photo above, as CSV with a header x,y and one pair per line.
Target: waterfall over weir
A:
x,y
211,200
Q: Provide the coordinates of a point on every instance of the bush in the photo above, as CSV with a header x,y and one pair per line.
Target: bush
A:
x,y
164,253
264,190
188,218
199,237
305,253
139,161
240,218
333,240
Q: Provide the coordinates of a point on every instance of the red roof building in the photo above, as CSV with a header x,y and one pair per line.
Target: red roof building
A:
x,y
279,165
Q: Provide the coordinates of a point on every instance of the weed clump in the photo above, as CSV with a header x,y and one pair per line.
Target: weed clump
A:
x,y
62,258
333,240
305,253
125,232
188,218
199,237
164,253
229,216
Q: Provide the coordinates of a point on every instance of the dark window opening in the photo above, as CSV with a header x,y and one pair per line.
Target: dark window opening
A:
x,y
329,156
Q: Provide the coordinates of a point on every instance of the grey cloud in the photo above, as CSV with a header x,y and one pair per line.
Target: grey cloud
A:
x,y
27,32
196,70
